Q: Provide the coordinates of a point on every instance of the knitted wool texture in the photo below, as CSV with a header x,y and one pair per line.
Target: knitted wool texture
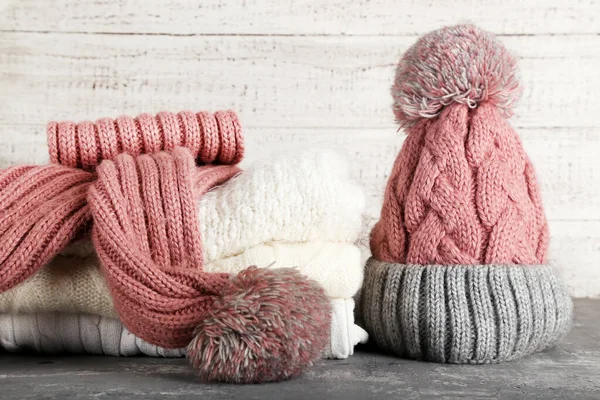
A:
x,y
76,284
306,197
148,245
464,314
455,274
144,211
302,198
44,208
462,191
56,332
212,138
307,220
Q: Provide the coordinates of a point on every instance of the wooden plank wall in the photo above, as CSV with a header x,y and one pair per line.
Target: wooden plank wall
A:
x,y
307,73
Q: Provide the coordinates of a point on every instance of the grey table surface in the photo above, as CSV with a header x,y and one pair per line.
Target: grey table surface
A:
x,y
570,371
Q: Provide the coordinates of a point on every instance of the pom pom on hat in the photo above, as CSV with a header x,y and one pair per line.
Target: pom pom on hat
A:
x,y
268,326
462,64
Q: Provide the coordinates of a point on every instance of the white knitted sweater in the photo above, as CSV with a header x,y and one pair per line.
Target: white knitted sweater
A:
x,y
308,197
53,333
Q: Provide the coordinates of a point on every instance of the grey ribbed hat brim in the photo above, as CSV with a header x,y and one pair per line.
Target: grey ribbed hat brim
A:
x,y
464,313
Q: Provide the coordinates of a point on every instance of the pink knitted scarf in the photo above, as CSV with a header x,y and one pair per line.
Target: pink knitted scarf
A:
x,y
212,138
143,208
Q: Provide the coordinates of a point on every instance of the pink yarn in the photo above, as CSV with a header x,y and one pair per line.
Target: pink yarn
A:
x,y
287,333
462,191
212,138
41,210
145,219
147,239
456,64
271,323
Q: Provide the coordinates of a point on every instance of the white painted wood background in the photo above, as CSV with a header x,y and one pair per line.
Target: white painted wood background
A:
x,y
309,73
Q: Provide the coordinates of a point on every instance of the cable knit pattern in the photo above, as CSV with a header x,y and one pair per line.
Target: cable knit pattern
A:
x,y
470,199
212,138
391,225
310,197
457,272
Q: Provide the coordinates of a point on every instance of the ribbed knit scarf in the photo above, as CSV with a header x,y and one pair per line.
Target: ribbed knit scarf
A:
x,y
211,138
260,325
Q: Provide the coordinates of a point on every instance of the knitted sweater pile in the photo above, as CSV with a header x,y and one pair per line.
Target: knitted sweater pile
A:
x,y
302,211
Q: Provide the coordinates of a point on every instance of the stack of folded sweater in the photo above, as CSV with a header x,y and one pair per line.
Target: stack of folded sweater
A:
x,y
299,211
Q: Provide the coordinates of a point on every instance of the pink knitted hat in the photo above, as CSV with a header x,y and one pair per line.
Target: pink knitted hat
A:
x,y
458,273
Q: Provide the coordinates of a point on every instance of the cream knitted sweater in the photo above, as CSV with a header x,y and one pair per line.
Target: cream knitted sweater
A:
x,y
76,285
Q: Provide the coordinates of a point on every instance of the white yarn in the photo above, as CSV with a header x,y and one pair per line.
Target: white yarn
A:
x,y
53,333
338,267
302,198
